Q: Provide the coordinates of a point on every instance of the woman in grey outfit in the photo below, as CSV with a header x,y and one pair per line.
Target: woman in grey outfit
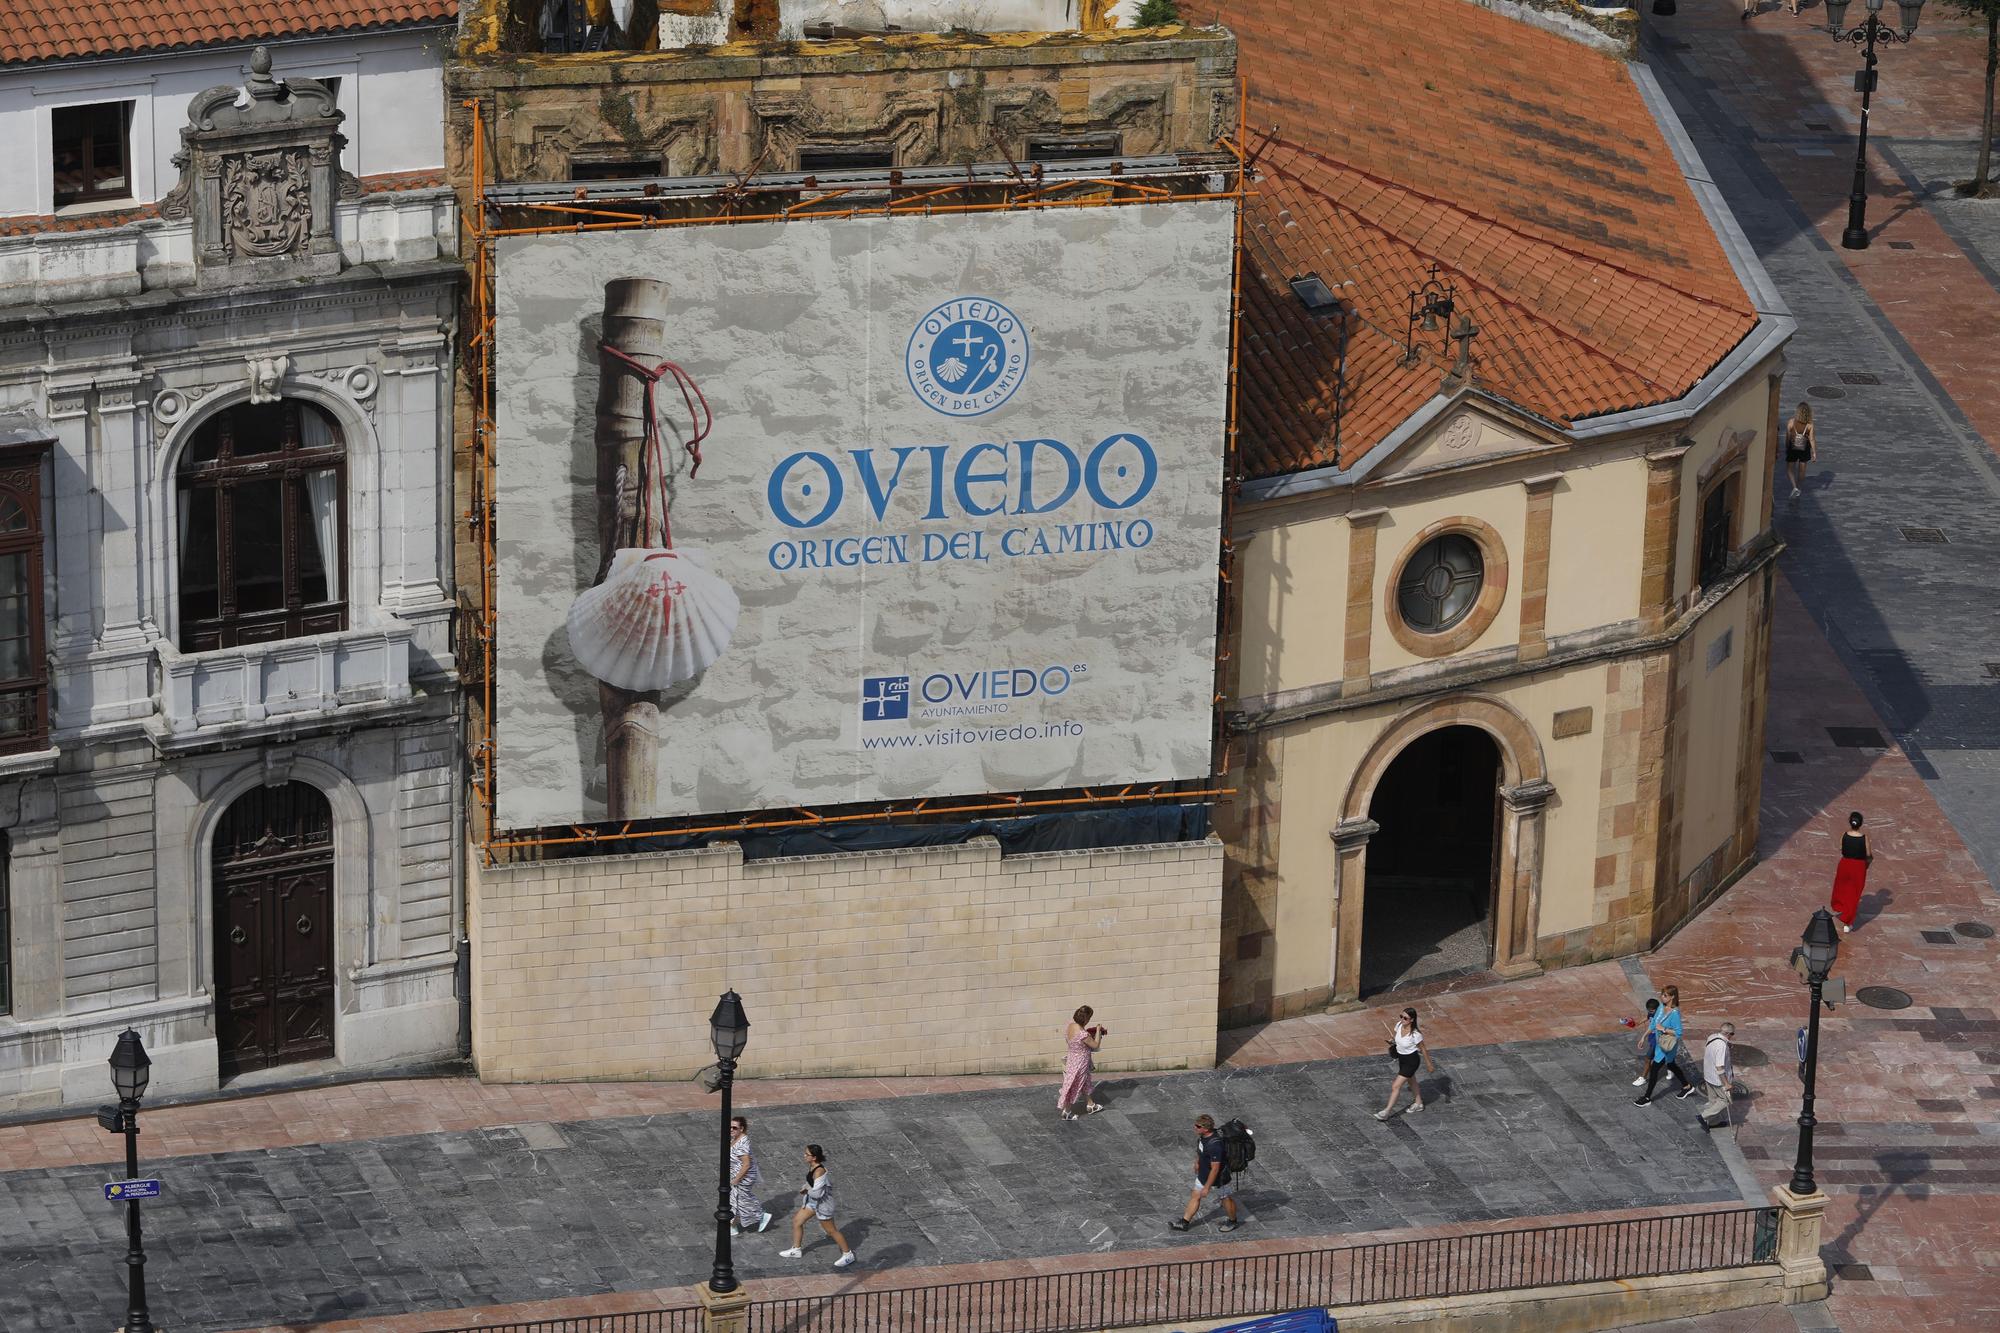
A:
x,y
816,1200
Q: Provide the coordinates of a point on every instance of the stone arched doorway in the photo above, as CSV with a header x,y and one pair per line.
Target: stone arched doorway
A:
x,y
1515,774
1428,911
273,885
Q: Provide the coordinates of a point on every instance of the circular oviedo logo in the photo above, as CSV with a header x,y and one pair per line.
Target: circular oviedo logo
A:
x,y
967,356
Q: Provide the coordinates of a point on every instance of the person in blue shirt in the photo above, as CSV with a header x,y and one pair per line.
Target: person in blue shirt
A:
x,y
1211,1176
1666,1034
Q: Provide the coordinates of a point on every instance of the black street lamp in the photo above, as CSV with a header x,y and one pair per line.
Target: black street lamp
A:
x,y
1822,946
729,1030
131,1069
1865,36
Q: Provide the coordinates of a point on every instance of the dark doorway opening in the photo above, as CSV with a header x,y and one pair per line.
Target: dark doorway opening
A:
x,y
1428,910
274,929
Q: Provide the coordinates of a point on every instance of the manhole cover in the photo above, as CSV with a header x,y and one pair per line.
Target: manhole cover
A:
x,y
1902,245
1938,937
1815,125
1859,377
1974,930
1748,1056
1826,391
1856,738
1883,997
1932,536
1787,757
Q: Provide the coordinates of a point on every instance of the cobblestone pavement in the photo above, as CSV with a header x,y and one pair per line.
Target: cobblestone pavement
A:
x,y
513,1213
1895,350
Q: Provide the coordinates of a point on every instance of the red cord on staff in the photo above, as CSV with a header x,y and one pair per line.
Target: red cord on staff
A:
x,y
652,462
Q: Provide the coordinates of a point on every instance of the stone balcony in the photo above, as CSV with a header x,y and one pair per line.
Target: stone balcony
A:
x,y
389,227
233,694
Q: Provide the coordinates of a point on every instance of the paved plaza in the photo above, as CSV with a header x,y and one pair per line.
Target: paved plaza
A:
x,y
518,1212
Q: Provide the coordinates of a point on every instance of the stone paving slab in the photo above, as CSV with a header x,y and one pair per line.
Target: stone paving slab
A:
x,y
319,1232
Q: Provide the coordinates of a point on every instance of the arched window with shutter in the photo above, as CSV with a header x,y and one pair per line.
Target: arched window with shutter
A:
x,y
262,513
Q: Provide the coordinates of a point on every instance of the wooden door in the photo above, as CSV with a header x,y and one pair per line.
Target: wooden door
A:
x,y
274,929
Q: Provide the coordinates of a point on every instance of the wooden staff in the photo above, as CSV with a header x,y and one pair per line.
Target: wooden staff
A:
x,y
635,311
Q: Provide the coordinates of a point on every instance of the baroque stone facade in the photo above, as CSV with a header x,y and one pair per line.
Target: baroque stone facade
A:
x,y
252,744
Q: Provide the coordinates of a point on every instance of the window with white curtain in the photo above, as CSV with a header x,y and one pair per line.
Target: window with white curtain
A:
x,y
261,516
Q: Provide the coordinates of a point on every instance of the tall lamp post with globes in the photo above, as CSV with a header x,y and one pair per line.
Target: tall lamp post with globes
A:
x,y
729,1030
131,1070
1865,35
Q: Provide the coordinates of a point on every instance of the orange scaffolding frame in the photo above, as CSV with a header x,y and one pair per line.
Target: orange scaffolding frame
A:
x,y
581,214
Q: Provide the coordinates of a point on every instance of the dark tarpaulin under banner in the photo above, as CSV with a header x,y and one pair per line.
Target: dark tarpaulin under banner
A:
x,y
1064,831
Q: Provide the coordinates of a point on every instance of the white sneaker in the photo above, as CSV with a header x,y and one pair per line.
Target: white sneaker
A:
x,y
734,1230
791,1254
1384,1114
1795,492
766,1222
1639,1082
846,1258
1414,1108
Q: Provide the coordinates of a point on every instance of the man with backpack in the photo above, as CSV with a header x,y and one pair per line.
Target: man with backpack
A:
x,y
1212,1174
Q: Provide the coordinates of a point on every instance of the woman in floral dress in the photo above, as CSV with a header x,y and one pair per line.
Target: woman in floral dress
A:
x,y
1082,1041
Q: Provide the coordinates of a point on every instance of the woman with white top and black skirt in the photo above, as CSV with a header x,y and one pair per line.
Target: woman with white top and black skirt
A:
x,y
1406,1046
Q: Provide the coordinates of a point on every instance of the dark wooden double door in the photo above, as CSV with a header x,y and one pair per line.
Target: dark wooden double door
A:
x,y
274,975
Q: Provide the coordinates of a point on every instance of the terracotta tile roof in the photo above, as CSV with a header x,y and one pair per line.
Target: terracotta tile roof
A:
x,y
1524,164
31,31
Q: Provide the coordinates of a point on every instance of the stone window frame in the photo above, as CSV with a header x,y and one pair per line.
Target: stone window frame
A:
x,y
125,108
288,465
1711,567
21,495
1492,591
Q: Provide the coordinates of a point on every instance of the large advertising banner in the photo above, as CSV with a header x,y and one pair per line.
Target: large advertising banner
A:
x,y
857,509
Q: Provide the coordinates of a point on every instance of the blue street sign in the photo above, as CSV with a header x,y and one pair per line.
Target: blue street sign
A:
x,y
120,1190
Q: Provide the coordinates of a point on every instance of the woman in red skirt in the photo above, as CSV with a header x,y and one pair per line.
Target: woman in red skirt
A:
x,y
1852,877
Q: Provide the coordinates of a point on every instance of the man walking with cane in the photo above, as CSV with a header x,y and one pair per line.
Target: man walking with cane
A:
x,y
1718,1076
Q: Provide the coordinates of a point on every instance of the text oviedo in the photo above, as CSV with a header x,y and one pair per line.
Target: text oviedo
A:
x,y
941,483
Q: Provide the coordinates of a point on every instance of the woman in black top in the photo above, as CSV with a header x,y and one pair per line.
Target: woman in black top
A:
x,y
1852,877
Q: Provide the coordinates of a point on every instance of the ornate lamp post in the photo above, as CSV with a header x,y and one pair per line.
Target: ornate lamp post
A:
x,y
1822,946
1865,36
131,1070
729,1030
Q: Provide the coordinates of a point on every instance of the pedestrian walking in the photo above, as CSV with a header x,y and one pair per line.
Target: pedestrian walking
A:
x,y
744,1178
1082,1042
1407,1049
1801,444
1852,876
1646,1046
1718,1076
1211,1177
816,1201
1666,1047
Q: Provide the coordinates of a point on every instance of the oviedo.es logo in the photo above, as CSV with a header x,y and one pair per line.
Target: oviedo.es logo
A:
x,y
967,356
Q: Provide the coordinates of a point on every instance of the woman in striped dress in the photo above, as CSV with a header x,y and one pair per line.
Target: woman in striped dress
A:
x,y
744,1179
1077,1086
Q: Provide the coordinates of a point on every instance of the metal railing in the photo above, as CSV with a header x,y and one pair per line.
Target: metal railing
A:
x,y
1254,1284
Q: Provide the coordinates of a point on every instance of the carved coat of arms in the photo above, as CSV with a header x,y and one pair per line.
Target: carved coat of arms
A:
x,y
267,203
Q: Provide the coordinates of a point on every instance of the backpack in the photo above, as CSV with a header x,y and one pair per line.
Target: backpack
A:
x,y
1239,1146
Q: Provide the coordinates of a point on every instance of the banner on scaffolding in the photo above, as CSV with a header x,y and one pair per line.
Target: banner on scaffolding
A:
x,y
857,509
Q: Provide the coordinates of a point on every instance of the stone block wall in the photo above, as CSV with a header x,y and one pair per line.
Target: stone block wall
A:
x,y
935,961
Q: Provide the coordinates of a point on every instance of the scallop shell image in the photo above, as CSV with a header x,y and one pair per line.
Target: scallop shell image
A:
x,y
658,618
